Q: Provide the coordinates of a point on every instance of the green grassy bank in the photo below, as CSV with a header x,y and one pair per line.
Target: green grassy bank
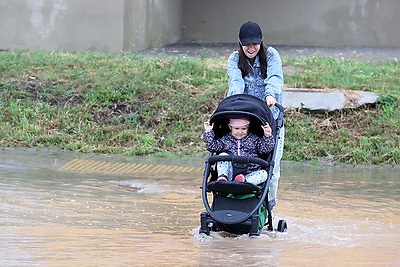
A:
x,y
136,105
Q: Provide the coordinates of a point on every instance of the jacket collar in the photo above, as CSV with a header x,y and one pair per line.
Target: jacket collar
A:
x,y
256,63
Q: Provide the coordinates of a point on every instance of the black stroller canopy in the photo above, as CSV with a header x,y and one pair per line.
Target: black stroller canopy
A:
x,y
239,106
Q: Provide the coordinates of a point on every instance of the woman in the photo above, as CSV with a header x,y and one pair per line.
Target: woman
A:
x,y
257,70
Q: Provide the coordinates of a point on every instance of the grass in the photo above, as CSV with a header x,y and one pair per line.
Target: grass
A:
x,y
368,135
136,105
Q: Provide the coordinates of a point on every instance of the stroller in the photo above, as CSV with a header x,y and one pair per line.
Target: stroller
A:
x,y
237,207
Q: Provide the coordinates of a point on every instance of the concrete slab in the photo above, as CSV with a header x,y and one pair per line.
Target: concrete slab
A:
x,y
326,99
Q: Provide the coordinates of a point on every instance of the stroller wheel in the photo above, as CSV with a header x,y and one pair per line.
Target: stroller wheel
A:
x,y
205,223
282,226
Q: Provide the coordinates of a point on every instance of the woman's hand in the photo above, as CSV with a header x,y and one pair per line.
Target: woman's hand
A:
x,y
207,126
267,129
271,101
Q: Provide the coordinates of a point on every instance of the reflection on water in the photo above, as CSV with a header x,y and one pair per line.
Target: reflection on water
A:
x,y
335,216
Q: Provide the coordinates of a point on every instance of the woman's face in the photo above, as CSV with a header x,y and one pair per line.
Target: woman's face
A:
x,y
239,132
251,50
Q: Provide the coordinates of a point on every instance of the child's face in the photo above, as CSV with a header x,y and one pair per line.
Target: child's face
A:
x,y
239,132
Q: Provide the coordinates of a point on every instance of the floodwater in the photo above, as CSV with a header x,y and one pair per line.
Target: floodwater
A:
x,y
52,217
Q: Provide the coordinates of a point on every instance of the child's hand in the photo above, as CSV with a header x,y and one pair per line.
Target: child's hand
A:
x,y
267,129
207,126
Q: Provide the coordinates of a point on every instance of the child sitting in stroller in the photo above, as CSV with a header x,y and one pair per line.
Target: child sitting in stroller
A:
x,y
240,142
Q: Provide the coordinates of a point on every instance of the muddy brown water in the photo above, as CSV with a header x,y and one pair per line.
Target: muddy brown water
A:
x,y
53,217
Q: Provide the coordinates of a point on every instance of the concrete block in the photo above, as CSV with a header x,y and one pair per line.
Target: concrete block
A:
x,y
326,99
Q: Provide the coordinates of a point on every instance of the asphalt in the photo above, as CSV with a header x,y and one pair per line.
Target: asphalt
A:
x,y
206,50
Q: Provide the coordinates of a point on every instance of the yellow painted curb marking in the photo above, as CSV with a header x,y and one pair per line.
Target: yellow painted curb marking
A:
x,y
123,168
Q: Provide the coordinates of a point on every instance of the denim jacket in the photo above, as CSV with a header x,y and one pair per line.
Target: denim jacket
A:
x,y
253,83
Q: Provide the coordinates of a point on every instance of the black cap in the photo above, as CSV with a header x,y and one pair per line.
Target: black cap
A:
x,y
250,33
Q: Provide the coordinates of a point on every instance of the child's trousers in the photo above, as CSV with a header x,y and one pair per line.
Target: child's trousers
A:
x,y
224,168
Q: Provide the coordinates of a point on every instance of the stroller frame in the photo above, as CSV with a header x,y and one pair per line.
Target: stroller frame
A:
x,y
227,212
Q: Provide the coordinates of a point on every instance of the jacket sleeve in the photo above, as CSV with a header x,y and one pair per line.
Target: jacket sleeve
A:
x,y
236,82
274,81
212,144
266,144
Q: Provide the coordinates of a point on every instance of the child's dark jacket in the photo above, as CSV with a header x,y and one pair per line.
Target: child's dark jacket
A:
x,y
249,146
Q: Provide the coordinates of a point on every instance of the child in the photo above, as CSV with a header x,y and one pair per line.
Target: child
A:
x,y
240,142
